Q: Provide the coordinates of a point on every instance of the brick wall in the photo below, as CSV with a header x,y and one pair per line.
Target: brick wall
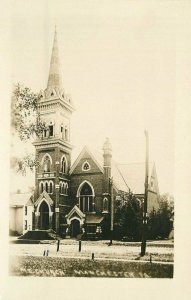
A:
x,y
96,180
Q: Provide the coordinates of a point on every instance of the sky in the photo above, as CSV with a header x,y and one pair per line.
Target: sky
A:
x,y
118,62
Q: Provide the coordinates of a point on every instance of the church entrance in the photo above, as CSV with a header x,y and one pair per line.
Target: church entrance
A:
x,y
75,228
44,216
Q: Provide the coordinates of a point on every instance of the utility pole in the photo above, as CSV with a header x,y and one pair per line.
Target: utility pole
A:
x,y
143,243
111,209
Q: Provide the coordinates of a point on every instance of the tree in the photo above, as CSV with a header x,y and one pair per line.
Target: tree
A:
x,y
25,123
166,215
153,225
134,218
128,219
160,223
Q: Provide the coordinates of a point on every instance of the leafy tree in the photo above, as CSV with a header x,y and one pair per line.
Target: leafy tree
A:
x,y
153,225
134,218
128,219
160,223
25,123
166,215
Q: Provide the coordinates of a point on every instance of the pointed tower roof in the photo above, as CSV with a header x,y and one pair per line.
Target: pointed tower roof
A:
x,y
55,78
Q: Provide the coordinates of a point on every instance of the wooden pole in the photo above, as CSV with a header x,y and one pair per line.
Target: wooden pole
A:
x,y
143,243
111,211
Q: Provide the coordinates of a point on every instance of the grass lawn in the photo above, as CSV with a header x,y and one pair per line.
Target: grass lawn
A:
x,y
100,249
69,267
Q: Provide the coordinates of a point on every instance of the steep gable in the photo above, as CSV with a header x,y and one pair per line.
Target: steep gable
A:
x,y
153,181
46,196
86,156
133,176
75,212
23,199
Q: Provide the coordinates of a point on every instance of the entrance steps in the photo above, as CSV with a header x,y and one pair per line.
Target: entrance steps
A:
x,y
39,235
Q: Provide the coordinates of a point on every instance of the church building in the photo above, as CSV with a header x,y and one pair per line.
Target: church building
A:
x,y
78,198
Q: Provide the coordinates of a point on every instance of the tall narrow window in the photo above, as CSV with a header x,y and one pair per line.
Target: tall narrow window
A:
x,y
63,188
60,188
86,198
66,188
105,204
45,133
41,187
64,165
47,164
46,187
62,131
51,187
66,133
25,210
25,224
51,131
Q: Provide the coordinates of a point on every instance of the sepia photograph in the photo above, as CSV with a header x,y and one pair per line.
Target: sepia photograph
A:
x,y
93,139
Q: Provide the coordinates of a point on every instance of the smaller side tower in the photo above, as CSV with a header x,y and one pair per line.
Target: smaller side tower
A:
x,y
107,155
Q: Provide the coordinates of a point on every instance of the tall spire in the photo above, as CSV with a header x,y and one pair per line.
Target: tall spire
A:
x,y
55,78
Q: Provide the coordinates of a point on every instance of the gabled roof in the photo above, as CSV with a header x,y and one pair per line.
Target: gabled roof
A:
x,y
125,176
76,210
93,219
21,199
46,196
131,176
96,157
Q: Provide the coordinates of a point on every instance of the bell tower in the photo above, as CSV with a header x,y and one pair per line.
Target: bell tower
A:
x,y
53,149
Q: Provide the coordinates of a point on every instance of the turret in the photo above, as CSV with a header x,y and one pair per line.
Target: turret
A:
x,y
107,155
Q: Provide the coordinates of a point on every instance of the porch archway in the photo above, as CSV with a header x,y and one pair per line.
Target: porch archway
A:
x,y
75,227
44,216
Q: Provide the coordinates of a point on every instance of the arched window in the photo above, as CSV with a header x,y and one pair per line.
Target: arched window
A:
x,y
60,189
45,133
46,186
63,165
41,187
63,188
66,133
66,188
105,204
51,187
51,130
86,198
47,162
62,131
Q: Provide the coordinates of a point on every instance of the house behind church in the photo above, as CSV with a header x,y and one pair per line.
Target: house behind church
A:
x,y
20,213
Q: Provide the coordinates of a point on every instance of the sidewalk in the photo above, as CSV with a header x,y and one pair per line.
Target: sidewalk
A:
x,y
70,248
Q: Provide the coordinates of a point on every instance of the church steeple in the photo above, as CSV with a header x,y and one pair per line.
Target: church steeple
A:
x,y
55,77
53,149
